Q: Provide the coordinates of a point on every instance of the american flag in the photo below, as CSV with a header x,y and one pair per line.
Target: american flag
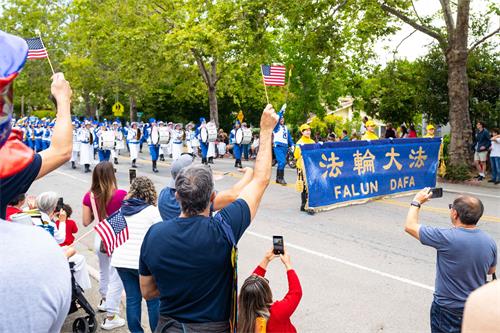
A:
x,y
36,50
113,231
274,75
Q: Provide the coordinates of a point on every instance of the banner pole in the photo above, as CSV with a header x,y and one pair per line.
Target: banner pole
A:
x,y
264,82
50,63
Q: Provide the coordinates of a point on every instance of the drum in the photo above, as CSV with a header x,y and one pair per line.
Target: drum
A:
x,y
204,134
107,140
212,132
243,136
164,135
155,135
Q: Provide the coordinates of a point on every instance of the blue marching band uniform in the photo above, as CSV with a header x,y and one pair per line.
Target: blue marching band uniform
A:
x,y
91,138
236,147
282,140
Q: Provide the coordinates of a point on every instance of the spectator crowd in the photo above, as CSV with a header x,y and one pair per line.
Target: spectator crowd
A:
x,y
180,252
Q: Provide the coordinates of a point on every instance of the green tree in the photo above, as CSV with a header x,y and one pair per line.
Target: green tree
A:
x,y
453,41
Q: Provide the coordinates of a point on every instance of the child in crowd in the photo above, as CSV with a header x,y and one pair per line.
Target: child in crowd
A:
x,y
70,228
256,310
15,206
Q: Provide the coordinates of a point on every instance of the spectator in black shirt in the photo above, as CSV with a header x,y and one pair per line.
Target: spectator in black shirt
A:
x,y
389,131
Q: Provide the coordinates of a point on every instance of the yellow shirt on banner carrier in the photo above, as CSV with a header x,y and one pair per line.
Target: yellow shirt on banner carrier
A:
x,y
298,154
369,136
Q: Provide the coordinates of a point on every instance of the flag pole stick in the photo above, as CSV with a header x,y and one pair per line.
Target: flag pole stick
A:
x,y
288,83
50,63
264,82
84,235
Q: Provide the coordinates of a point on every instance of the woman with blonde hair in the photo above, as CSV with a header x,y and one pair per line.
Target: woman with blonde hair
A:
x,y
257,313
103,199
140,212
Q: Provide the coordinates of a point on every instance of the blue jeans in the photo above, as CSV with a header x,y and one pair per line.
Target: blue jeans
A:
x,y
445,320
130,279
495,168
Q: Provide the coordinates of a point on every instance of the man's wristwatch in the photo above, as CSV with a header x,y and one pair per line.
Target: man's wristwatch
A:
x,y
415,203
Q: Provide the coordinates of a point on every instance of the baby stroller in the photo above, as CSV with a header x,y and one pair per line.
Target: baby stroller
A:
x,y
85,324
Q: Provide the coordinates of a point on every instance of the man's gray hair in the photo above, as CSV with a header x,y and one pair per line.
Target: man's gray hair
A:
x,y
47,202
194,185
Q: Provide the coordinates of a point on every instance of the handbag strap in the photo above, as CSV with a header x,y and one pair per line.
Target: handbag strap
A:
x,y
94,207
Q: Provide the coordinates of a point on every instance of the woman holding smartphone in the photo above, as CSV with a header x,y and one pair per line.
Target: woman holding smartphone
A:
x,y
256,310
103,199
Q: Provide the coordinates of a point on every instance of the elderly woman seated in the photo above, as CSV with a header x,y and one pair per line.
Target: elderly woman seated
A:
x,y
43,216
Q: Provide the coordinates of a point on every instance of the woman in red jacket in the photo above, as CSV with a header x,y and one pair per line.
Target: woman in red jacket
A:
x,y
256,305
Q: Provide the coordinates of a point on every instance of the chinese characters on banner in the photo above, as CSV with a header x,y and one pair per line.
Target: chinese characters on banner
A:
x,y
339,173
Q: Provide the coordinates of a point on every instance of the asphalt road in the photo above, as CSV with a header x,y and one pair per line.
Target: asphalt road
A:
x,y
359,271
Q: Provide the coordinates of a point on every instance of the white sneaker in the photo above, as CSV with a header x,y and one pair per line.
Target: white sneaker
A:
x,y
102,306
112,324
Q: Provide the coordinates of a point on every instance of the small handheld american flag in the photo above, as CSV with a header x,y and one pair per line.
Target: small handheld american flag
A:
x,y
273,75
36,49
113,231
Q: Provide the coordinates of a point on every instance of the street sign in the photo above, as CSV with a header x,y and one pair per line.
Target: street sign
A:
x,y
139,114
240,116
118,109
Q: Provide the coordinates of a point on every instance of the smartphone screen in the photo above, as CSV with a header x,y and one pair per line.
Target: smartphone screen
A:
x,y
132,173
437,192
278,247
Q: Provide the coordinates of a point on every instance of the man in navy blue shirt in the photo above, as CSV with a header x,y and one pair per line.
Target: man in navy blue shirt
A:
x,y
19,165
187,261
465,256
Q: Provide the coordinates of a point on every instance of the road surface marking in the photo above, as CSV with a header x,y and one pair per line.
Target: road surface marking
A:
x,y
348,263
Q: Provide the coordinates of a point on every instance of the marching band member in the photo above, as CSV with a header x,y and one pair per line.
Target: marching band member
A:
x,y
45,136
370,131
133,138
168,151
30,135
76,144
86,138
211,153
177,141
203,145
119,141
245,147
38,134
163,146
236,146
153,138
281,141
305,130
189,138
103,152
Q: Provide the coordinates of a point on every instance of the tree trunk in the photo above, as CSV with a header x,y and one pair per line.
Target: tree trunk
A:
x,y
458,91
89,112
212,101
133,109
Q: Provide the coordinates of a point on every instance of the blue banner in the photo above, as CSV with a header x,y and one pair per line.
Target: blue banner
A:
x,y
340,173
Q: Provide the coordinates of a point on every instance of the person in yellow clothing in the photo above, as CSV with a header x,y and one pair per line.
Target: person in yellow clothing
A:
x,y
305,130
430,132
370,131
